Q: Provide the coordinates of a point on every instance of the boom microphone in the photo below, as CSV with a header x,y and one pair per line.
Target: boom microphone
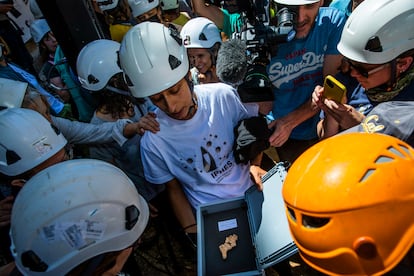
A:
x,y
231,65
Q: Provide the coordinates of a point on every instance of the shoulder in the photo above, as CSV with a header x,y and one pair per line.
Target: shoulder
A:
x,y
215,89
218,94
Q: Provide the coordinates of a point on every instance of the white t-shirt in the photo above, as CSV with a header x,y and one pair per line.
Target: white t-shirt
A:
x,y
199,152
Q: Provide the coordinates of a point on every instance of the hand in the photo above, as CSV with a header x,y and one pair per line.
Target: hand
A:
x,y
147,122
256,173
344,114
319,100
208,77
317,96
281,133
5,211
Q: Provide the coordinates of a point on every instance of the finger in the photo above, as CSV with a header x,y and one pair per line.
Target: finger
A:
x,y
334,104
152,114
152,127
5,208
153,122
272,124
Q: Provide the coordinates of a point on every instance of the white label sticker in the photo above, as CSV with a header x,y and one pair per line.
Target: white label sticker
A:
x,y
227,224
94,229
73,235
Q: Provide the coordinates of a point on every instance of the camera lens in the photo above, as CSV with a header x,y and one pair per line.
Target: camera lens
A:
x,y
329,83
285,18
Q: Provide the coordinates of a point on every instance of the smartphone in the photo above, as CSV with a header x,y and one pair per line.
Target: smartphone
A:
x,y
333,89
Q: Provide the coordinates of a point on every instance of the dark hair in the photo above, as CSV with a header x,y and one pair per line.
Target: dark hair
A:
x,y
107,261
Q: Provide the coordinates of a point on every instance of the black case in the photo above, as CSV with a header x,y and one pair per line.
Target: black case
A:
x,y
260,222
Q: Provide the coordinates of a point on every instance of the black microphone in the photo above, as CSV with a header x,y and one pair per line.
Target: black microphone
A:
x,y
231,65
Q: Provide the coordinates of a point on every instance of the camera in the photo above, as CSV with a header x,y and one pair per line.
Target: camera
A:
x,y
263,29
260,29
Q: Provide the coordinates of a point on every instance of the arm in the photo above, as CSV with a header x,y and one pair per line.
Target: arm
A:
x,y
256,171
180,205
327,127
284,125
5,211
86,133
211,12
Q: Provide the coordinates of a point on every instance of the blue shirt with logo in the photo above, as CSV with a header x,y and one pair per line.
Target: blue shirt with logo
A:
x,y
296,68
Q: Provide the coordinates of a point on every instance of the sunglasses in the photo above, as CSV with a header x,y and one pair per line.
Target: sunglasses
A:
x,y
363,71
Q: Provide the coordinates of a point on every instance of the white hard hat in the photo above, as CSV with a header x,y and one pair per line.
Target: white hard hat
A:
x,y
97,63
295,2
34,8
39,28
12,92
71,212
27,139
378,31
169,4
105,5
200,32
139,7
153,58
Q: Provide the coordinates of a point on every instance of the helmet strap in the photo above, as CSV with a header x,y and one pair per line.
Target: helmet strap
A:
x,y
383,94
192,109
118,91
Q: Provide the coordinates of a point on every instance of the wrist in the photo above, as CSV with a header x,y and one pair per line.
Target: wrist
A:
x,y
192,228
131,129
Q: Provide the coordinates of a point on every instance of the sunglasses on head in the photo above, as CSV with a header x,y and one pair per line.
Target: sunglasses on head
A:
x,y
363,71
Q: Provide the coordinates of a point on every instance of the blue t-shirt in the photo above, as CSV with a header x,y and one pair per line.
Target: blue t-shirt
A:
x,y
297,68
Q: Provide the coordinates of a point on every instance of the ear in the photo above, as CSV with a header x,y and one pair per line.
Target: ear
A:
x,y
321,2
404,63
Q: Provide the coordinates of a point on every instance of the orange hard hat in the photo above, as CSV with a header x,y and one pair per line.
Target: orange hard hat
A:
x,y
350,203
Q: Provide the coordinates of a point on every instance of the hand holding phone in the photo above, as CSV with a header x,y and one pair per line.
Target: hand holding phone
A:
x,y
333,89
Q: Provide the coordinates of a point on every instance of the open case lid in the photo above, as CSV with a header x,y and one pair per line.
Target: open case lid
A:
x,y
267,218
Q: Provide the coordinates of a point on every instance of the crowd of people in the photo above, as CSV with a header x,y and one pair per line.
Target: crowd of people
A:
x,y
85,152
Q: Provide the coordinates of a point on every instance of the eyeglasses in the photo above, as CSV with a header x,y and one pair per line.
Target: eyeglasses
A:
x,y
363,71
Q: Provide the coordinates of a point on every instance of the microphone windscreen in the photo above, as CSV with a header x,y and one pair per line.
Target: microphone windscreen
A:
x,y
231,62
